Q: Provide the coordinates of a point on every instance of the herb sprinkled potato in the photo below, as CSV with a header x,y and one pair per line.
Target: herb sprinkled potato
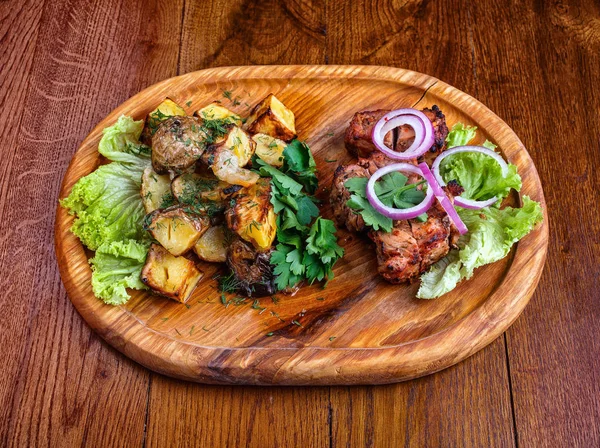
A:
x,y
176,228
214,111
212,246
156,190
177,144
269,149
168,275
251,215
168,108
271,117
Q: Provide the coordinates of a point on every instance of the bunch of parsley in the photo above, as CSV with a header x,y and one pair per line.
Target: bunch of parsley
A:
x,y
306,249
391,190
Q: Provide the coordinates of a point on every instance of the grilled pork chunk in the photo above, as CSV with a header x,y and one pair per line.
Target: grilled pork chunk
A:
x,y
344,215
413,246
359,143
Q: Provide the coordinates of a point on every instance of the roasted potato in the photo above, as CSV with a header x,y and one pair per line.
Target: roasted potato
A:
x,y
251,215
156,190
212,246
269,149
239,142
176,229
168,108
177,144
214,111
192,188
271,117
168,275
252,270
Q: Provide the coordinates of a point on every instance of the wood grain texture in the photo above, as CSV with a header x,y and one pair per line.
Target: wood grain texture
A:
x,y
554,349
365,330
58,380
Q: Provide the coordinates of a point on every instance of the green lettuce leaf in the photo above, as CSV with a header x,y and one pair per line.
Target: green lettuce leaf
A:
x,y
460,135
109,212
492,232
117,265
120,142
479,175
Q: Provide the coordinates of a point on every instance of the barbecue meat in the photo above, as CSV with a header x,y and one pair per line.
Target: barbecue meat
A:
x,y
398,256
413,246
359,143
358,135
343,214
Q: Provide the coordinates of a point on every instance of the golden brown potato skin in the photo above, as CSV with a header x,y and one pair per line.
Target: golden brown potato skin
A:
x,y
177,144
265,120
168,275
177,228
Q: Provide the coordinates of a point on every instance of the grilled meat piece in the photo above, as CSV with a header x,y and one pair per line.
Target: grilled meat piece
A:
x,y
398,256
343,214
413,246
406,135
359,143
358,135
252,270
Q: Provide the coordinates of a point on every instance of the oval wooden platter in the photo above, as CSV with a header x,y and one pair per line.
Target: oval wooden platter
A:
x,y
360,329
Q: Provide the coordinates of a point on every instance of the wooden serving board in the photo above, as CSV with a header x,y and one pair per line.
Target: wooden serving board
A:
x,y
360,329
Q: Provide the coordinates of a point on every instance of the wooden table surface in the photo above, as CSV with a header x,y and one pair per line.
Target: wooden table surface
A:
x,y
65,64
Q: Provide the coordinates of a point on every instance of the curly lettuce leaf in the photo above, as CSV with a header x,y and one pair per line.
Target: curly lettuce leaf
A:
x,y
109,212
479,175
120,142
492,232
116,266
108,205
460,135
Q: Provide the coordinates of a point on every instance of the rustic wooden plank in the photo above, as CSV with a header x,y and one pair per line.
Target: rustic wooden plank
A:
x,y
544,81
184,413
61,386
19,26
224,33
429,37
468,404
465,405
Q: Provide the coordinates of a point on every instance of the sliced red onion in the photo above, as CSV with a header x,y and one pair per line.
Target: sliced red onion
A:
x,y
441,196
459,200
422,126
397,213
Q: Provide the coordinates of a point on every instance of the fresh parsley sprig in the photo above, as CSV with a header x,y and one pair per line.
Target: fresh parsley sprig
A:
x,y
304,251
391,190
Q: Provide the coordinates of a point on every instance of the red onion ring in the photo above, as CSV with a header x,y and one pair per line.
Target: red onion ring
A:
x,y
422,126
397,213
459,200
441,196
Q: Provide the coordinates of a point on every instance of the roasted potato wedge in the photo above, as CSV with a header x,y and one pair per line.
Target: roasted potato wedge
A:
x,y
177,144
251,215
269,149
238,142
252,270
168,108
228,155
214,111
212,246
271,117
156,190
176,229
168,275
192,188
